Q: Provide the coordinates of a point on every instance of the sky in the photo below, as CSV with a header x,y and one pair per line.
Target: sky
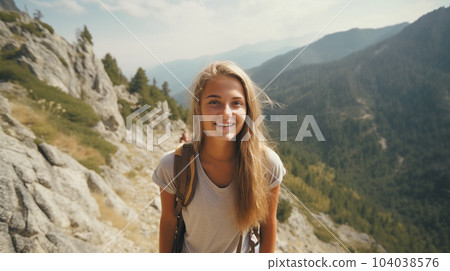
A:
x,y
173,29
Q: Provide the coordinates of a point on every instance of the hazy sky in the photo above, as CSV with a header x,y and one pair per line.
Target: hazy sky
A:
x,y
174,29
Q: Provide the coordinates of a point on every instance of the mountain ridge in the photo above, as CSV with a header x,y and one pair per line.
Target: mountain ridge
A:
x,y
348,41
384,112
330,47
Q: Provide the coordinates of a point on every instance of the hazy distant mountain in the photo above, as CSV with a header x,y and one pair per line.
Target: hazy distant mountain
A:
x,y
385,115
330,47
247,56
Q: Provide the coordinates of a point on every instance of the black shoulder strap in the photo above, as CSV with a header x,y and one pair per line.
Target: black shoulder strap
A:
x,y
185,175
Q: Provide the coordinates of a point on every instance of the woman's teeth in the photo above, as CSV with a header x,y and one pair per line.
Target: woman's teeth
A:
x,y
225,124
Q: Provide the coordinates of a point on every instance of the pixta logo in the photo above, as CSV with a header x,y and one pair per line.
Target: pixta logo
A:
x,y
230,130
135,131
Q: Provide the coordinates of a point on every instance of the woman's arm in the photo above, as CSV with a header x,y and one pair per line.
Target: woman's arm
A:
x,y
167,223
269,226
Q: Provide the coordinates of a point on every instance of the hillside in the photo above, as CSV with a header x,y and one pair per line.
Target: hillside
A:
x,y
68,180
331,47
385,115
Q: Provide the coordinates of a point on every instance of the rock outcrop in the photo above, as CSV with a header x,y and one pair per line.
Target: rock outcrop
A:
x,y
8,5
47,197
73,68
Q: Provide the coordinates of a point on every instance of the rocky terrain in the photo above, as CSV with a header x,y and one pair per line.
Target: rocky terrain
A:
x,y
49,202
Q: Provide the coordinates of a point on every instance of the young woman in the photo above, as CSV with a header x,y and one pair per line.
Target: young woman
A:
x,y
238,174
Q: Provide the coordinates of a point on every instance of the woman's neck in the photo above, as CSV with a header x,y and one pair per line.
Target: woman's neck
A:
x,y
218,150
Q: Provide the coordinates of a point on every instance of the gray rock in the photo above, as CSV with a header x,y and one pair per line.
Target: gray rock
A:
x,y
99,186
72,185
26,51
6,245
36,220
71,67
10,210
50,153
37,243
24,244
5,34
8,5
46,201
69,244
10,46
41,167
25,172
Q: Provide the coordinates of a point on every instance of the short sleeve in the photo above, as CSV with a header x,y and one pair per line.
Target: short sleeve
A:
x,y
275,168
163,174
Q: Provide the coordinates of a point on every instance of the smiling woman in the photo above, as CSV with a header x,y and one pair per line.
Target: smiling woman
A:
x,y
238,176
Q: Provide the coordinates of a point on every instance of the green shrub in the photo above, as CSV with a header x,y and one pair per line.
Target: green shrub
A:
x,y
49,28
8,16
131,174
10,54
91,163
113,70
124,108
38,141
323,234
32,28
284,210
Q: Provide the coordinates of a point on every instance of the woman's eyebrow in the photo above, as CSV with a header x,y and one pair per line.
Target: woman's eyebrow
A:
x,y
213,96
218,96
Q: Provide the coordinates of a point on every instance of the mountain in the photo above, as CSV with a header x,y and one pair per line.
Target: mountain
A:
x,y
328,48
8,5
68,181
247,56
385,115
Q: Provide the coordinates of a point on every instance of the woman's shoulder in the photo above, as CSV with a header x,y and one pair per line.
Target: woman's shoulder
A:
x,y
275,168
273,159
167,159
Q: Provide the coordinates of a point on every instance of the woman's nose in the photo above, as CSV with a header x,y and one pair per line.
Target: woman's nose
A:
x,y
227,110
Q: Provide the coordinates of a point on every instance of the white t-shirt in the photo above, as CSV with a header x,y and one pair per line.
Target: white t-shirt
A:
x,y
209,218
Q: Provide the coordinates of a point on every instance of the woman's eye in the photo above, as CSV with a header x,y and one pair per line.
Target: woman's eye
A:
x,y
213,102
237,103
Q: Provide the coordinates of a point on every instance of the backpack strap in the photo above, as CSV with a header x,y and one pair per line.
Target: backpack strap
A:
x,y
185,181
255,231
239,248
184,170
254,234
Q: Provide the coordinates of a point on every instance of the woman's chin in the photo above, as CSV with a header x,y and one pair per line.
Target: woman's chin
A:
x,y
221,136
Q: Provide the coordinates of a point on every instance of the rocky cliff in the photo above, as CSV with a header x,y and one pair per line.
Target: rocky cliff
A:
x,y
8,5
52,203
72,67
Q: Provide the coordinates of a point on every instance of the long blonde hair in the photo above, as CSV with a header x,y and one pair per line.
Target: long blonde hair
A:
x,y
252,193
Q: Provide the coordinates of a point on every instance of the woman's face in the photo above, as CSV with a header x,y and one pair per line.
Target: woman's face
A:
x,y
223,106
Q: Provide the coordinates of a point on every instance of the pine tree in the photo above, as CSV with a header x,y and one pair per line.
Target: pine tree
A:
x,y
165,88
85,36
139,82
113,70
